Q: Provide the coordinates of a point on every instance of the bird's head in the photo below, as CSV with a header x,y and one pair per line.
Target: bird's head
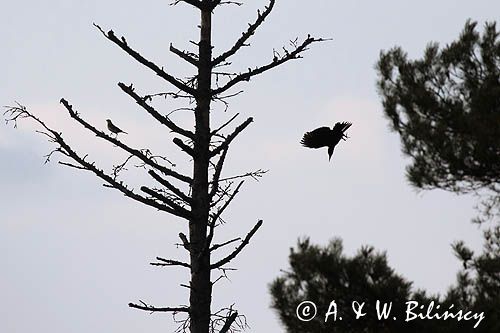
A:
x,y
108,121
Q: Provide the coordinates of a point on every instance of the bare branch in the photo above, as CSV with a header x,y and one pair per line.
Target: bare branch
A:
x,y
176,208
231,137
184,55
151,308
245,35
216,3
71,165
162,119
229,322
66,149
224,125
217,173
210,236
220,98
221,192
122,43
254,174
183,146
137,153
154,158
14,113
295,54
117,169
168,262
185,242
195,3
226,204
174,95
171,187
216,246
239,248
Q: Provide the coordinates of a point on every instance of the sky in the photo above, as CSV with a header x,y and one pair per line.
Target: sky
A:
x,y
73,253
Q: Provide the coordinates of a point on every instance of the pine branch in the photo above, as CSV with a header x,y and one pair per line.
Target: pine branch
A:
x,y
254,174
216,3
151,308
231,137
214,132
168,262
171,187
137,153
122,43
223,193
210,237
184,55
295,54
129,90
245,242
184,147
226,204
217,173
229,321
65,149
177,209
195,3
216,246
245,35
185,242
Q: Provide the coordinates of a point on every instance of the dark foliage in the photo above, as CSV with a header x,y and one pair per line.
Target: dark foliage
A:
x,y
446,108
323,274
478,284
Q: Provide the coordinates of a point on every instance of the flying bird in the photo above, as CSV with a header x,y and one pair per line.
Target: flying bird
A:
x,y
326,137
113,128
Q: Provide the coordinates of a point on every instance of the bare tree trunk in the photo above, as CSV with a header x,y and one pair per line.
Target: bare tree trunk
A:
x,y
201,286
170,198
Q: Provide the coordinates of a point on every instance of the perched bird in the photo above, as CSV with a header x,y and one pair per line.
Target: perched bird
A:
x,y
326,137
113,128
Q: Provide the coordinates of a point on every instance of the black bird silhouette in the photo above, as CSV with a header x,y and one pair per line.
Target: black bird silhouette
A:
x,y
113,128
326,137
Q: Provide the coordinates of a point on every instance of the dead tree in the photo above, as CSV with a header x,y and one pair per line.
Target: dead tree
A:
x,y
202,197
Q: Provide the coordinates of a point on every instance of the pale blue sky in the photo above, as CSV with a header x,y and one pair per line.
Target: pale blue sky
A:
x,y
73,253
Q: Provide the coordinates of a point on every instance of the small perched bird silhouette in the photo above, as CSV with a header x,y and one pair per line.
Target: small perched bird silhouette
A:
x,y
326,137
113,128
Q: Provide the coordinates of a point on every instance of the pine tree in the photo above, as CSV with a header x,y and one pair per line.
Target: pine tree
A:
x,y
201,197
446,109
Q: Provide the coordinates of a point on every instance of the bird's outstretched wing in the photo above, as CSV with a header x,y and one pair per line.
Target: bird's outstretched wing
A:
x,y
340,128
318,138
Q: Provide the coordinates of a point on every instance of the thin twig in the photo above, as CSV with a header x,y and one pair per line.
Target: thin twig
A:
x,y
216,246
168,262
295,54
239,248
162,119
231,137
151,308
136,152
245,35
217,215
137,56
